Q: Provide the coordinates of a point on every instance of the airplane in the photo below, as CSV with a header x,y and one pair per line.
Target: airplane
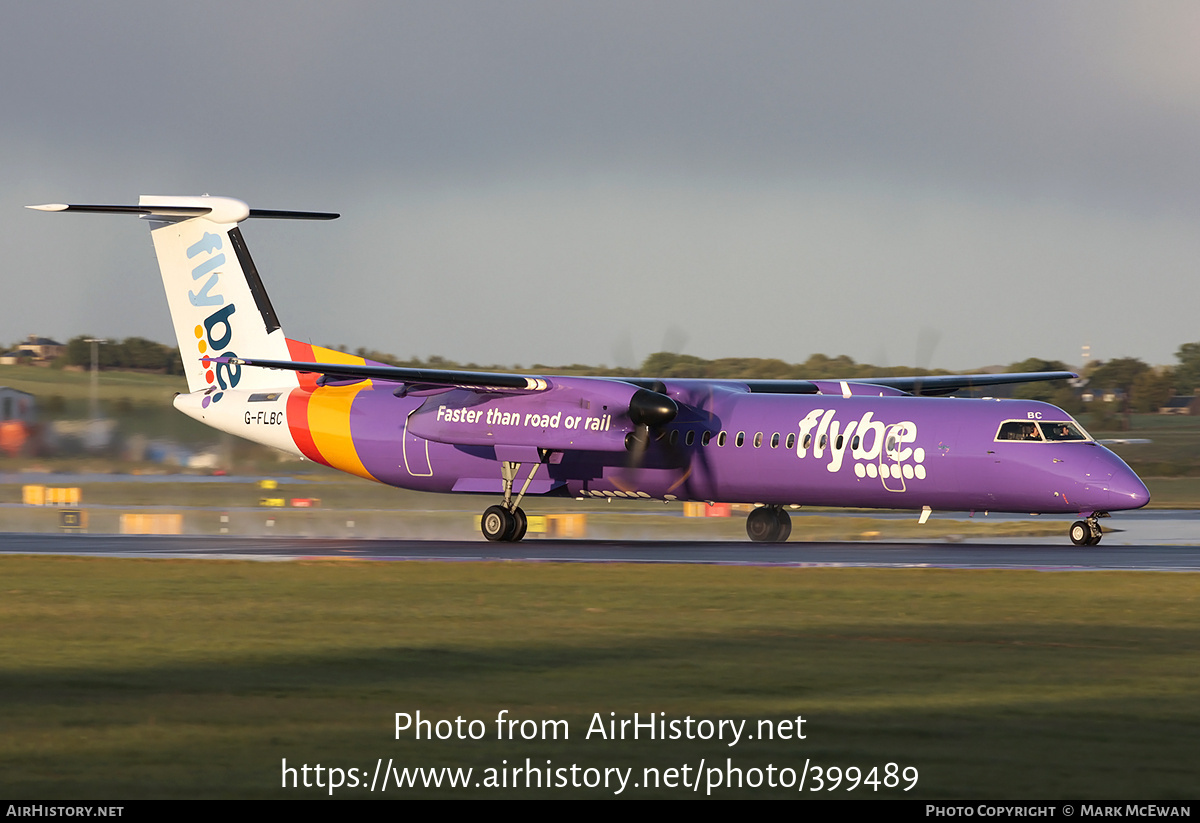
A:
x,y
889,442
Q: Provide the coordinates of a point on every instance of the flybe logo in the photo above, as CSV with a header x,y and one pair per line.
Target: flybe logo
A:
x,y
214,334
876,449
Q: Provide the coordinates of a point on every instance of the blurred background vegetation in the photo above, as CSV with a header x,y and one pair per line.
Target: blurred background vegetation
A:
x,y
1122,398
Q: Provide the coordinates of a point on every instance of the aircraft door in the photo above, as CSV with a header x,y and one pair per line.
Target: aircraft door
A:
x,y
416,452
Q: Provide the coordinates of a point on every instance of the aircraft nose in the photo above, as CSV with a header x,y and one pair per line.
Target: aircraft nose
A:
x,y
1125,489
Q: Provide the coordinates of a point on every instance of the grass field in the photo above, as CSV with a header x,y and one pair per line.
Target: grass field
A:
x,y
126,678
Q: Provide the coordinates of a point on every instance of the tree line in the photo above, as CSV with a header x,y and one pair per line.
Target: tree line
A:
x,y
130,354
1143,388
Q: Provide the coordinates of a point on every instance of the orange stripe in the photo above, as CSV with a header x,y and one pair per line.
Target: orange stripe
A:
x,y
329,426
319,417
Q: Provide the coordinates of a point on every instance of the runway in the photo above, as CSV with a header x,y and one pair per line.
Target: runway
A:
x,y
1015,554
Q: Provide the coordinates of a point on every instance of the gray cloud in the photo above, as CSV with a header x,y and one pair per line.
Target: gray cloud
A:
x,y
524,181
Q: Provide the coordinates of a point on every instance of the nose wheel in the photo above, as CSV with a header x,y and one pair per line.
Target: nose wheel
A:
x,y
769,524
1086,532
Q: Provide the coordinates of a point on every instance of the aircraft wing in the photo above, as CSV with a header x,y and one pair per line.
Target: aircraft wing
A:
x,y
928,385
414,378
943,384
418,379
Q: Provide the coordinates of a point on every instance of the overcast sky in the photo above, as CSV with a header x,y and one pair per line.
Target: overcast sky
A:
x,y
559,182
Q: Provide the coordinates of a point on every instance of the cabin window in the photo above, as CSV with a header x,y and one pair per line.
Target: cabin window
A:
x,y
775,440
741,439
837,444
854,443
704,438
807,440
758,440
791,441
674,438
721,439
823,441
690,438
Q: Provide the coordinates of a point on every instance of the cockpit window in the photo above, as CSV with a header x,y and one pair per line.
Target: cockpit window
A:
x,y
1063,430
1041,431
1024,430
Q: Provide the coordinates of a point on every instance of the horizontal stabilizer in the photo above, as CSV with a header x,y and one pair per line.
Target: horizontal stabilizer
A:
x,y
190,207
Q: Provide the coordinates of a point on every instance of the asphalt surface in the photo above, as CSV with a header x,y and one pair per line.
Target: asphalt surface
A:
x,y
1056,555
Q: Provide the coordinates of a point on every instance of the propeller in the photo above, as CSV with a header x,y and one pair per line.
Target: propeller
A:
x,y
647,410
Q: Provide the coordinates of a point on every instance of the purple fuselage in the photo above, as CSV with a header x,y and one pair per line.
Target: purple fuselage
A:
x,y
865,450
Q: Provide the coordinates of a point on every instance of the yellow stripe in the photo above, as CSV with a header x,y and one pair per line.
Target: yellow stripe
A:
x,y
324,355
329,423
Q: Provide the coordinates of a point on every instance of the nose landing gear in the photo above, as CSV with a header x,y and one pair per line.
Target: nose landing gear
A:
x,y
1087,532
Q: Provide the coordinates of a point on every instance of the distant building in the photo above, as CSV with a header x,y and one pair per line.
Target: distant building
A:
x,y
41,351
17,412
1090,395
43,348
1179,404
17,405
15,358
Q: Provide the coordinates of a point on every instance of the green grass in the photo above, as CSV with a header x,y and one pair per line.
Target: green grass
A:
x,y
137,387
1174,450
125,678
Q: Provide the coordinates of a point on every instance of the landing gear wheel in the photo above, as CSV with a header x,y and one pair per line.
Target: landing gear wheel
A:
x,y
1081,533
785,525
521,525
768,524
761,525
1097,533
497,524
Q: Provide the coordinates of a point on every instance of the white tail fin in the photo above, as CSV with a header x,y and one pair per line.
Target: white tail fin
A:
x,y
218,304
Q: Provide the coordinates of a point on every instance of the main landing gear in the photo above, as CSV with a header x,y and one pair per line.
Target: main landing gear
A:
x,y
500,524
1087,532
507,522
769,524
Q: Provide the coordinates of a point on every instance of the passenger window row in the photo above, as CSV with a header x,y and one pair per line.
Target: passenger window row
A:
x,y
739,440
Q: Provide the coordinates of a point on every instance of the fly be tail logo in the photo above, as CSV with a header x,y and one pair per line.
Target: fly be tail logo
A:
x,y
215,333
877,449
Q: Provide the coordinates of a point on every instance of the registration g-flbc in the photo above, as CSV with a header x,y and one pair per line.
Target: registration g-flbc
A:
x,y
265,418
